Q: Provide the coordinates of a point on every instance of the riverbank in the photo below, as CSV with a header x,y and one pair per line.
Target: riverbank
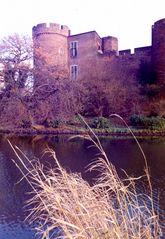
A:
x,y
75,130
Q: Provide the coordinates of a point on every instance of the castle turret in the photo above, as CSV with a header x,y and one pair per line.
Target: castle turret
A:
x,y
158,50
50,49
110,45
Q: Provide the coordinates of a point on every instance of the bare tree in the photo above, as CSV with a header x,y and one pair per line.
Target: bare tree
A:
x,y
50,96
16,73
15,58
117,91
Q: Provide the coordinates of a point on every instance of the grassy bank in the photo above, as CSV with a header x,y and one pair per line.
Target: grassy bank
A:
x,y
141,126
66,206
74,129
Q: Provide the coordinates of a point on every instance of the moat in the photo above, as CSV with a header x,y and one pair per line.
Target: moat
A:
x,y
75,156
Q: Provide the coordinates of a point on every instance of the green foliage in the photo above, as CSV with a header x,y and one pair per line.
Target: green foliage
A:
x,y
26,124
74,121
100,123
152,123
54,123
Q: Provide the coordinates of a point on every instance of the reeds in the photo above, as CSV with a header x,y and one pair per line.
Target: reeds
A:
x,y
65,206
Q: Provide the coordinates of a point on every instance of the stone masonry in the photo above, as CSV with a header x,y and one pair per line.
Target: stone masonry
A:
x,y
87,56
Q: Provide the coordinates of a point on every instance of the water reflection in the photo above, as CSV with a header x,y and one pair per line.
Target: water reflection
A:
x,y
74,155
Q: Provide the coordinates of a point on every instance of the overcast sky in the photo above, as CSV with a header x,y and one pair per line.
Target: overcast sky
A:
x,y
128,20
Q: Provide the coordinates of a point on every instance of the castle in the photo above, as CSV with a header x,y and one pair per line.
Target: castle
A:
x,y
86,54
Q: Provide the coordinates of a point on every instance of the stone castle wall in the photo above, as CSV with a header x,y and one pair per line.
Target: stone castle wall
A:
x,y
94,55
158,50
88,44
50,49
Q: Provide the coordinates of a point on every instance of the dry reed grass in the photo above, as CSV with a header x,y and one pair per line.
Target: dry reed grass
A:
x,y
65,203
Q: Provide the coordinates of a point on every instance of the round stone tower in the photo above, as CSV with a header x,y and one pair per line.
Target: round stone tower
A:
x,y
50,51
110,45
158,50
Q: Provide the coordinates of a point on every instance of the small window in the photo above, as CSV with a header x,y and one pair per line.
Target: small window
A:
x,y
60,51
74,71
73,48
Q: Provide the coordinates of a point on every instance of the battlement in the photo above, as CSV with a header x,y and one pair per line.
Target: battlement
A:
x,y
146,50
125,52
142,50
51,28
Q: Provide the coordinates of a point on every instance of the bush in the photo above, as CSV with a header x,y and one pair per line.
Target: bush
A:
x,y
74,121
26,124
147,122
52,123
100,123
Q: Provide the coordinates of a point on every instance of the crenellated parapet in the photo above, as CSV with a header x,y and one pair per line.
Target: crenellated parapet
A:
x,y
126,52
145,50
84,49
139,51
51,28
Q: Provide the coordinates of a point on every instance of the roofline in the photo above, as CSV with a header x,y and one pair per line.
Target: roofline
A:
x,y
85,33
110,37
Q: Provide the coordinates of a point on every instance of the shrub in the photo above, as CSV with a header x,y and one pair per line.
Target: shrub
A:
x,y
100,123
74,121
52,123
26,124
147,122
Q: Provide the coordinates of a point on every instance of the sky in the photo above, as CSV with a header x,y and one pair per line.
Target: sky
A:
x,y
128,20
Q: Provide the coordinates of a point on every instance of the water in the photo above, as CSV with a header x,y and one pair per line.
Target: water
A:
x,y
75,156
